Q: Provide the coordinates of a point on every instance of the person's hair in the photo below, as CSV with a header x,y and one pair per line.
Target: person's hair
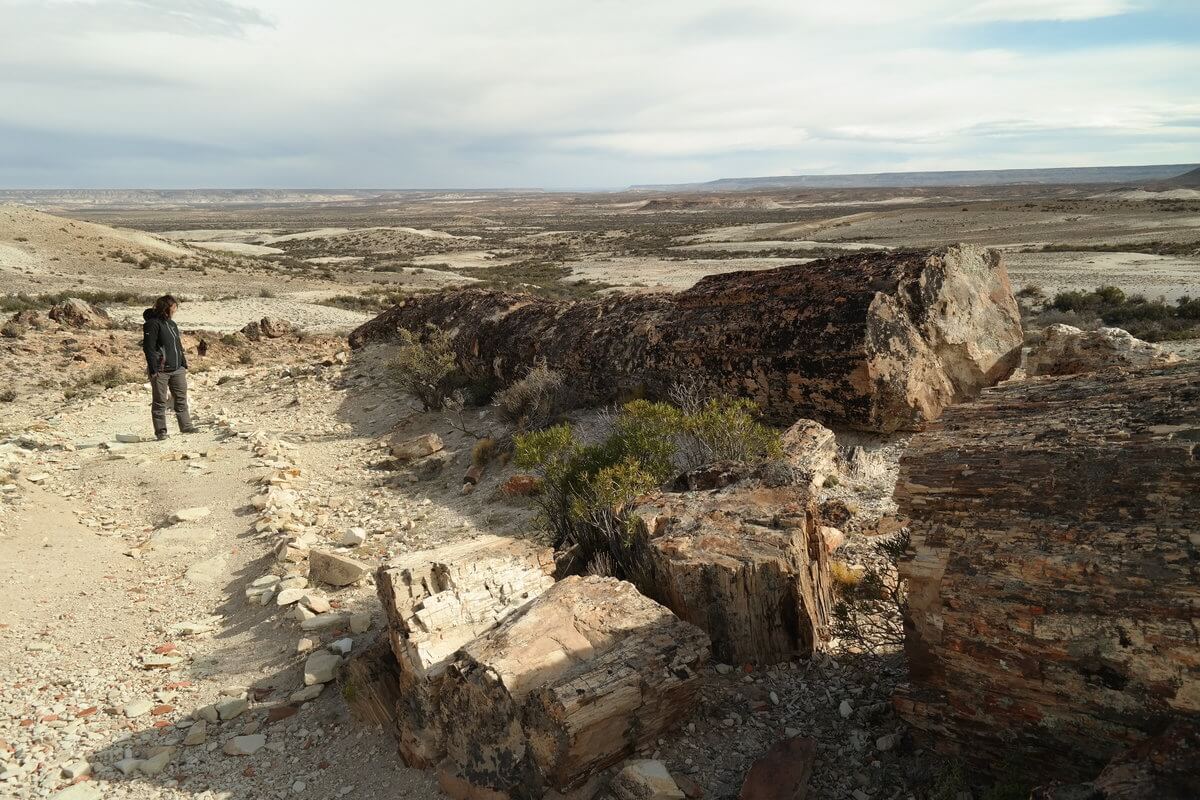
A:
x,y
163,305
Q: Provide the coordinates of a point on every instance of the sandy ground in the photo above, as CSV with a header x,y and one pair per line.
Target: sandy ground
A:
x,y
1136,273
233,314
663,273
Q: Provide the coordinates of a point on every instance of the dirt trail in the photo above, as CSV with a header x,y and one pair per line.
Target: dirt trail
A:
x,y
95,581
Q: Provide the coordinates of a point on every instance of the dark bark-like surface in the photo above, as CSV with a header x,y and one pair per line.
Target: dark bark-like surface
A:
x,y
880,341
1054,595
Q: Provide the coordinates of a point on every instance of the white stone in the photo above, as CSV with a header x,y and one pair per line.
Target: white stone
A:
x,y
360,621
245,745
645,780
289,596
342,646
156,763
321,667
76,769
845,709
354,537
136,708
233,707
322,621
197,734
316,602
79,791
307,693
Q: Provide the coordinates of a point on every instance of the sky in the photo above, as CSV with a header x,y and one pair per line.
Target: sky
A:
x,y
564,94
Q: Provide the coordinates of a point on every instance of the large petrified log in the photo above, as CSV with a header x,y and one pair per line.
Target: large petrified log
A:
x,y
746,564
1054,602
572,683
880,341
436,601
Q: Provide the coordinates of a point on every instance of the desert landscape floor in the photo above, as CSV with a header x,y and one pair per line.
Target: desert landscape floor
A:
x,y
120,627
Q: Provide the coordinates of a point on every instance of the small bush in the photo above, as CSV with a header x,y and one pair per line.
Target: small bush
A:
x,y
532,402
588,489
1152,320
425,367
483,452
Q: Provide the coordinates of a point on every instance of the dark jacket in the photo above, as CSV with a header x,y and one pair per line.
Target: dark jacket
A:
x,y
161,343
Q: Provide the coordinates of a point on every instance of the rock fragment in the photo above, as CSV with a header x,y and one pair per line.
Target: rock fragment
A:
x,y
333,568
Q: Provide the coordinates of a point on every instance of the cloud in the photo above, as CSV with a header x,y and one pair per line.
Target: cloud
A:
x,y
79,17
461,93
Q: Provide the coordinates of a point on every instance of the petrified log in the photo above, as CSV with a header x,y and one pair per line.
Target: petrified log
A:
x,y
880,341
746,564
572,683
436,601
1053,602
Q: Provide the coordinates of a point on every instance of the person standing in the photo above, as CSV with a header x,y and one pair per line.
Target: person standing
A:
x,y
167,365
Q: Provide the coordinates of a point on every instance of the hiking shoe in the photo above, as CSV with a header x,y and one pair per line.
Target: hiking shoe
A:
x,y
160,436
192,429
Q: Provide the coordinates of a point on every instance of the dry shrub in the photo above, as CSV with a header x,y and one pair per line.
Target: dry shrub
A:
x,y
533,402
426,366
483,452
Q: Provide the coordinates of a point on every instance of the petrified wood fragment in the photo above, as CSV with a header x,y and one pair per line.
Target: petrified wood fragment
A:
x,y
880,341
572,683
436,601
746,564
1054,601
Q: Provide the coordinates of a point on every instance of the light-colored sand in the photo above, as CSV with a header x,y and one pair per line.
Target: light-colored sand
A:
x,y
672,275
1142,194
335,260
778,244
247,235
241,248
1136,273
773,230
225,316
464,259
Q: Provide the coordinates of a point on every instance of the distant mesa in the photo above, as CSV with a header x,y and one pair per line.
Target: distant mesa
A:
x,y
1188,180
1131,175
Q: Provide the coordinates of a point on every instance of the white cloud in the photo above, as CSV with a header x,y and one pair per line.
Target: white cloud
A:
x,y
546,92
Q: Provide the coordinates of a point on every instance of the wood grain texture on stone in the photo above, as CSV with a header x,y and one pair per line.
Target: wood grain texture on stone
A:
x,y
880,341
436,601
570,684
747,564
1053,573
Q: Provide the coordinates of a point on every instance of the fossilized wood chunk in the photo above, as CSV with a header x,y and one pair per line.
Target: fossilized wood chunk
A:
x,y
438,600
1054,600
747,565
572,683
881,341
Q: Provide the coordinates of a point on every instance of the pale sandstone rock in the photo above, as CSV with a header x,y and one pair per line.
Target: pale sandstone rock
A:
x,y
333,568
416,447
1066,350
245,745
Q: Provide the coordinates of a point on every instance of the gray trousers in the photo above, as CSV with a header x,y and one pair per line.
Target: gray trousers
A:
x,y
174,384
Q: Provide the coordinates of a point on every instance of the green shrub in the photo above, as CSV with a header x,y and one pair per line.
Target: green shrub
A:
x,y
588,489
426,366
1153,320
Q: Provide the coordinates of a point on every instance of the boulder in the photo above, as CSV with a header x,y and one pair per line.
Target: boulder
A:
x,y
1066,350
334,569
76,313
747,564
811,449
274,327
416,447
1052,609
881,341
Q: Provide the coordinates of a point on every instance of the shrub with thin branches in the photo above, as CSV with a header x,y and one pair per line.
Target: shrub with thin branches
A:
x,y
425,366
533,402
